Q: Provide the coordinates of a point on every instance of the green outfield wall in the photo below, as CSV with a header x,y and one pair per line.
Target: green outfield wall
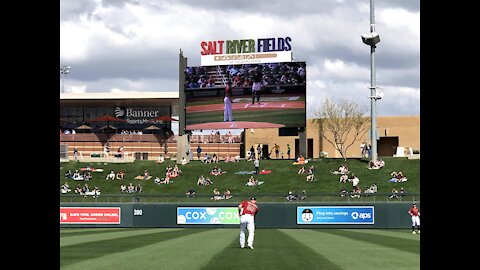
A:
x,y
271,215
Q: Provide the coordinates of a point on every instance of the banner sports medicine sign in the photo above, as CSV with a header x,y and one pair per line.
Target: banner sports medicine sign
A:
x,y
246,51
335,215
207,215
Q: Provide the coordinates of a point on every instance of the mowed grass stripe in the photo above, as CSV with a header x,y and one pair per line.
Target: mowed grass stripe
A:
x,y
273,250
75,230
405,234
108,235
351,254
94,231
407,245
191,250
98,248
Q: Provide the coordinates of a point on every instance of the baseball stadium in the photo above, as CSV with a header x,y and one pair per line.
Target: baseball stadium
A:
x,y
224,175
135,220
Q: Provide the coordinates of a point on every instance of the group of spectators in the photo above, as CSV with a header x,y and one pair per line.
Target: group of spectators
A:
x,y
86,191
292,73
79,176
131,188
218,196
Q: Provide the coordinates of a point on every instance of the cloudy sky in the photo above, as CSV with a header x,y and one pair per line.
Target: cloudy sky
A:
x,y
133,45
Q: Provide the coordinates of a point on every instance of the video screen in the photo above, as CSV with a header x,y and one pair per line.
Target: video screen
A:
x,y
269,95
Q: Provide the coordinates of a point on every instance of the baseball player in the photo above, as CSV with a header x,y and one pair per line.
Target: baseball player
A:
x,y
247,211
415,214
227,110
256,87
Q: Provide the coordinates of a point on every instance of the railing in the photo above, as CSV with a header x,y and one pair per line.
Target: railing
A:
x,y
221,75
265,197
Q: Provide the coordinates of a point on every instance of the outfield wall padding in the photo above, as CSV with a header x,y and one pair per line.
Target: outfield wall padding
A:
x,y
271,215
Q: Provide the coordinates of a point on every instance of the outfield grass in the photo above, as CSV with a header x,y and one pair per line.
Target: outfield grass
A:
x,y
219,249
219,100
287,117
283,178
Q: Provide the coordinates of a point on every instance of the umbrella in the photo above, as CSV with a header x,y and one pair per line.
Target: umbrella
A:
x,y
108,127
83,127
166,118
152,127
108,118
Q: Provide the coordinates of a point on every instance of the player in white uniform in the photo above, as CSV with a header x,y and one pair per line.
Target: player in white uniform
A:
x,y
227,110
247,211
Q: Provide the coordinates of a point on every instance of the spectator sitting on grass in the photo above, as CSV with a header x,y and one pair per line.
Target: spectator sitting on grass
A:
x,y
302,196
87,176
78,190
372,189
138,188
301,170
184,161
310,177
402,192
165,180
216,195
291,196
376,164
111,176
227,194
65,188
68,174
202,181
215,158
177,170
343,178
343,192
206,159
393,194
123,188
216,171
120,175
190,193
131,188
146,175
161,159
252,181
354,179
356,192
311,169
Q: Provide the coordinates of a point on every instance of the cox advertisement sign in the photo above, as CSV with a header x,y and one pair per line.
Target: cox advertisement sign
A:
x,y
89,215
335,215
207,215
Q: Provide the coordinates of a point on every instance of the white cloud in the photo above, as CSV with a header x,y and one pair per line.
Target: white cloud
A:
x,y
134,47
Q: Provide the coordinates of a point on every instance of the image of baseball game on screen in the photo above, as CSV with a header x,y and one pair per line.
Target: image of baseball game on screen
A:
x,y
246,96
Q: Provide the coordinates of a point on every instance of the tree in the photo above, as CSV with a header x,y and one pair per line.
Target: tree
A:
x,y
341,123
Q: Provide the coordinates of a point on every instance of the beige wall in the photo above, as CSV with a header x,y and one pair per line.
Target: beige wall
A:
x,y
406,128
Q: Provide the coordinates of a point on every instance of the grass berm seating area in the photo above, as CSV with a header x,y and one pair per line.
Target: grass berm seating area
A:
x,y
284,178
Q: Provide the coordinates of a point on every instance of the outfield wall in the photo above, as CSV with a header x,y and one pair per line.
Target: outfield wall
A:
x,y
271,215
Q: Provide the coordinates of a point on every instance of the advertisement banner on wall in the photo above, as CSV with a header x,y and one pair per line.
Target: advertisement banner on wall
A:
x,y
335,215
89,215
207,215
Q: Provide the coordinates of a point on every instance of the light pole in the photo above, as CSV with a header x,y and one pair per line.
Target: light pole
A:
x,y
372,39
64,70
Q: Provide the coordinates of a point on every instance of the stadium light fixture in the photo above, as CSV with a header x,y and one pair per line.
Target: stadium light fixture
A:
x,y
64,70
372,39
